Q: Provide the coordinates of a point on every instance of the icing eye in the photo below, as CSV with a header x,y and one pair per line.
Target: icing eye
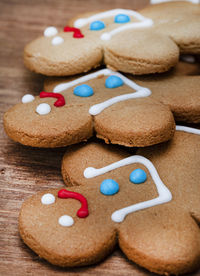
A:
x,y
97,25
113,82
66,220
27,98
121,18
83,90
138,176
43,109
109,187
50,31
48,199
57,40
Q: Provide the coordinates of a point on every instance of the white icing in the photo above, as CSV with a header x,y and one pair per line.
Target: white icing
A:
x,y
50,31
97,108
143,21
162,1
164,195
48,199
188,129
27,98
66,220
187,58
43,109
135,25
57,40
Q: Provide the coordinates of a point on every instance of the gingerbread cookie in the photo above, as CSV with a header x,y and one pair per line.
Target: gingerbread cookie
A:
x,y
124,40
148,203
116,108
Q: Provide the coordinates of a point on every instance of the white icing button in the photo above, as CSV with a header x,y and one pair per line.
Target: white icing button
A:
x,y
50,31
57,40
27,98
66,220
43,109
48,199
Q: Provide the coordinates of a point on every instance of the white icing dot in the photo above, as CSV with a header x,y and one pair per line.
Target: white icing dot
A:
x,y
27,98
105,36
50,31
66,220
43,109
48,199
57,40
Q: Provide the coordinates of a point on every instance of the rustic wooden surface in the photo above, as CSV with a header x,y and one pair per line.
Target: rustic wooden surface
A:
x,y
25,170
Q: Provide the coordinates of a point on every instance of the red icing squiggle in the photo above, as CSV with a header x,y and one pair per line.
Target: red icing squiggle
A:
x,y
83,211
60,99
76,31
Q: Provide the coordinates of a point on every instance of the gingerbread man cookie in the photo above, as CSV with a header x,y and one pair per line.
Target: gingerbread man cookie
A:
x,y
148,203
124,40
116,108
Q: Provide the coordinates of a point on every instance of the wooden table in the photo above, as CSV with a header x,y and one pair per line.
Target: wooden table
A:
x,y
25,170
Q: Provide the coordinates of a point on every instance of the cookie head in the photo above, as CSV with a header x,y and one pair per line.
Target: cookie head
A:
x,y
66,54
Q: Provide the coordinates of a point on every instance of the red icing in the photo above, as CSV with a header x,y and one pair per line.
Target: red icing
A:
x,y
60,99
83,211
76,31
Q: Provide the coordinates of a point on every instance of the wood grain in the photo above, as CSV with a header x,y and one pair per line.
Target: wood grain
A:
x,y
25,170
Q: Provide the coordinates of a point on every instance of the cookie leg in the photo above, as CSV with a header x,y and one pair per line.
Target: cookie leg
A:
x,y
165,241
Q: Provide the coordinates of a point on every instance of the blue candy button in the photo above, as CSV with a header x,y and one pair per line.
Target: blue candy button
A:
x,y
97,25
138,176
122,18
83,90
113,82
109,187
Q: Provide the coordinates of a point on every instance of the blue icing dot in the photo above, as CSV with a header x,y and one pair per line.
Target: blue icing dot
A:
x,y
138,176
113,82
122,18
97,25
109,187
83,90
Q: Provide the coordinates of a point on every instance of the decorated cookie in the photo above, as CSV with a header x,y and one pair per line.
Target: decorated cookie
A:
x,y
105,102
148,203
124,40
